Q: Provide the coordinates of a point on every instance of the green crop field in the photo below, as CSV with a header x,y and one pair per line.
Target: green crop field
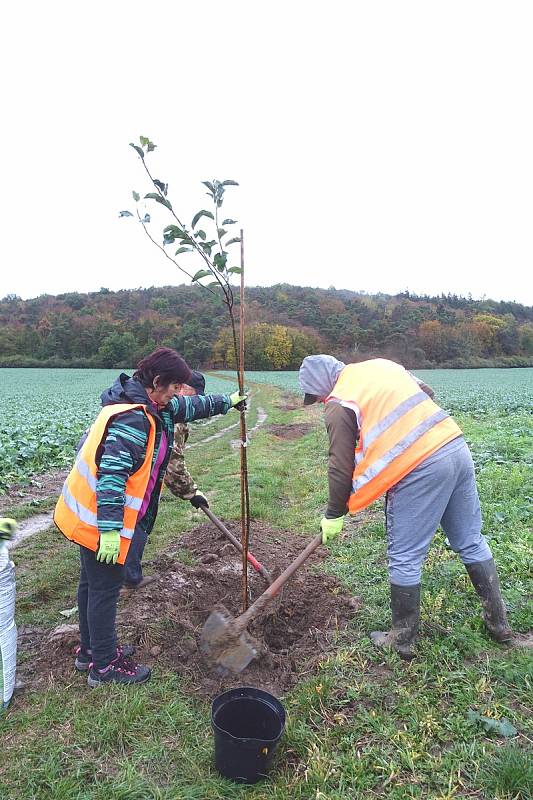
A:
x,y
494,406
478,391
43,413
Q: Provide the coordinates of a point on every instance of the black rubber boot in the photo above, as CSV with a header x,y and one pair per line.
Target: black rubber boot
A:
x,y
484,577
405,608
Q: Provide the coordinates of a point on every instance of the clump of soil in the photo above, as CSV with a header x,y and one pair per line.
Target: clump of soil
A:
x,y
290,403
293,431
165,619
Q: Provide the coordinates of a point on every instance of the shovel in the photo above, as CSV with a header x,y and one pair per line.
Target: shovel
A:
x,y
224,639
235,542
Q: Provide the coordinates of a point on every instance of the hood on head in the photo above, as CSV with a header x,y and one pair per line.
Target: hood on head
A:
x,y
125,390
318,375
197,382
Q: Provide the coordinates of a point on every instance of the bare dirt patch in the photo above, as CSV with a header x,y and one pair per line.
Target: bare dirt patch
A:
x,y
165,619
289,403
293,431
523,639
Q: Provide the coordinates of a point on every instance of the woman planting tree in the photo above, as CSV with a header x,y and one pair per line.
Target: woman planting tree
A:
x,y
180,483
112,495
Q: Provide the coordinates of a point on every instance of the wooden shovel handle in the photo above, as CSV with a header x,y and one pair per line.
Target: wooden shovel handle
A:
x,y
274,588
235,542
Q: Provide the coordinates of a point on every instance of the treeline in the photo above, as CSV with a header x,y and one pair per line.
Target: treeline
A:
x,y
284,324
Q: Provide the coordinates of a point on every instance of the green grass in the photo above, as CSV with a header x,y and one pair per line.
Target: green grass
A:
x,y
366,725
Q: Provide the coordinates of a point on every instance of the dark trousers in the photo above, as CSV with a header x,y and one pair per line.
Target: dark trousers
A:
x,y
98,593
133,568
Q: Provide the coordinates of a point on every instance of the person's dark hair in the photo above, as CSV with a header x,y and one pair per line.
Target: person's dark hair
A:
x,y
165,363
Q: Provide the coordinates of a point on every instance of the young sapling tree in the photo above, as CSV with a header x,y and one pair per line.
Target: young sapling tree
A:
x,y
205,243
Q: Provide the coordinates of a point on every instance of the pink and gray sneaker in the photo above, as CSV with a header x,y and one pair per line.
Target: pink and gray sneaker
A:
x,y
84,657
121,670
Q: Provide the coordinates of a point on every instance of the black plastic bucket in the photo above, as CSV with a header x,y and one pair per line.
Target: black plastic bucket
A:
x,y
248,724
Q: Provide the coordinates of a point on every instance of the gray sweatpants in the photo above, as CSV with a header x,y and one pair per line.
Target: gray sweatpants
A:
x,y
440,491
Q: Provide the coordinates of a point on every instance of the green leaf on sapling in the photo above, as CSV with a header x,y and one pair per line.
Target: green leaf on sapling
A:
x,y
158,199
183,250
229,222
173,230
233,241
200,235
125,214
201,214
146,219
139,150
220,261
162,186
202,273
145,142
236,270
171,233
136,196
229,183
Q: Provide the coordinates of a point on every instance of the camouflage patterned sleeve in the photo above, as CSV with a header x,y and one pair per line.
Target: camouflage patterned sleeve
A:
x,y
177,476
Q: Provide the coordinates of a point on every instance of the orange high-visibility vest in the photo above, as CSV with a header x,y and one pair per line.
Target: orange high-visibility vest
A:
x,y
76,512
399,426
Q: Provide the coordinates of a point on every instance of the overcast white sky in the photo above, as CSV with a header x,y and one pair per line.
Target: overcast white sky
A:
x,y
378,145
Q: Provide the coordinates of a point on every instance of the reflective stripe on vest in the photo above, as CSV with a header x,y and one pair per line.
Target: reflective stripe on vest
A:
x,y
83,469
87,516
400,447
76,512
392,417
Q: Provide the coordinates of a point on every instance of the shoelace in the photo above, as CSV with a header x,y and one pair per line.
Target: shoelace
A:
x,y
124,664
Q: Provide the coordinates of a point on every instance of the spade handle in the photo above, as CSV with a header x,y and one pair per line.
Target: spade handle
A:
x,y
269,594
235,542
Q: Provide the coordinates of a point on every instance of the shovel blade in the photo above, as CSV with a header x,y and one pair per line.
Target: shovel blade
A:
x,y
230,651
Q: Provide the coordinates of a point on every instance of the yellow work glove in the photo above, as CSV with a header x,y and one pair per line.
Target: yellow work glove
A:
x,y
108,547
7,528
238,401
330,528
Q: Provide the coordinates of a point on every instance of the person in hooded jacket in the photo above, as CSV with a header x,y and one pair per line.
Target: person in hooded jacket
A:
x,y
388,436
179,480
112,493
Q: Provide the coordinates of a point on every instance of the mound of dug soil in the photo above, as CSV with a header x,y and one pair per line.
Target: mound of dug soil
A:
x,y
165,619
292,431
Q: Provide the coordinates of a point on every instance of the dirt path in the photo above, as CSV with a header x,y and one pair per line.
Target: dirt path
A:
x,y
29,527
261,417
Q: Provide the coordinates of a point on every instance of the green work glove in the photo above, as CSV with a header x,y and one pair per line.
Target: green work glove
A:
x,y
7,528
238,401
109,547
199,499
330,528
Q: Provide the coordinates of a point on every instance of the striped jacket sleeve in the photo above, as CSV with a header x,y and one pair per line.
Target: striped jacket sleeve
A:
x,y
122,453
199,406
